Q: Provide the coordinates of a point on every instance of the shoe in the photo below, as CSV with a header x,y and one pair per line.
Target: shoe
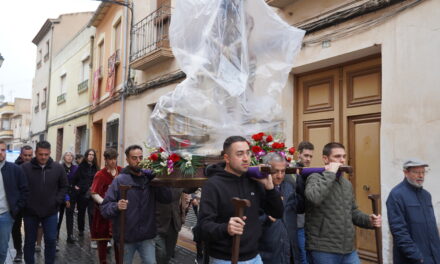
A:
x,y
37,248
71,239
18,257
109,245
93,245
81,233
57,248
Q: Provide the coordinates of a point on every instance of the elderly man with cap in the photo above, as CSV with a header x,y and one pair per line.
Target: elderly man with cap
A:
x,y
411,218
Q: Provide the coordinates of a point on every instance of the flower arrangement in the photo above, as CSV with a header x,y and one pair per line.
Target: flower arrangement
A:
x,y
164,163
261,144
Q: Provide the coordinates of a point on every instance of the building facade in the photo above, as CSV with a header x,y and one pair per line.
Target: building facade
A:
x,y
109,76
14,123
52,36
69,101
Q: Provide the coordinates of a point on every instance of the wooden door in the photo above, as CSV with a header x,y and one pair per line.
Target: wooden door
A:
x,y
342,104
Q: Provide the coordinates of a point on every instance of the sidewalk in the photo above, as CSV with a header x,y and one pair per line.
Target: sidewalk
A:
x,y
82,253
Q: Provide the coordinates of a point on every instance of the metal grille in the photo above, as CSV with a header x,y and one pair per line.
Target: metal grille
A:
x,y
151,33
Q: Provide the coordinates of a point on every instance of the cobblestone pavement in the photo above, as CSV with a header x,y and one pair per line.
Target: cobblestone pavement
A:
x,y
82,253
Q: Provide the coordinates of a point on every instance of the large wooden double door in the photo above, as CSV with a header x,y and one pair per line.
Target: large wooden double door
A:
x,y
343,104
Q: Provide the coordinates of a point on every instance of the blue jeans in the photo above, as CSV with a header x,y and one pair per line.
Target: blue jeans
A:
x,y
6,223
49,224
256,260
319,257
145,248
302,245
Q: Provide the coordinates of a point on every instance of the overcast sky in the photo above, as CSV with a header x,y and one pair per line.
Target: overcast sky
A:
x,y
20,21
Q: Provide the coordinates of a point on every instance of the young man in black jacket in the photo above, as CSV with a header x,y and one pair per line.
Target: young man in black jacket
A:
x,y
48,186
217,220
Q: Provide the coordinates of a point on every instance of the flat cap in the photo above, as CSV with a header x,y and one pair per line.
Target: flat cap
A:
x,y
413,162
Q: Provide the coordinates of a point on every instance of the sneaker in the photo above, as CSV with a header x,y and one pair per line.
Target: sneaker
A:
x,y
93,245
37,248
109,245
18,257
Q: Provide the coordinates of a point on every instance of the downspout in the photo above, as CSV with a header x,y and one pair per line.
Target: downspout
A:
x,y
125,73
48,85
90,91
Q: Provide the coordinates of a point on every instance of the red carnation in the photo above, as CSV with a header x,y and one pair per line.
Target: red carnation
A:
x,y
161,149
289,159
256,149
276,145
154,157
185,143
292,150
174,157
258,137
269,139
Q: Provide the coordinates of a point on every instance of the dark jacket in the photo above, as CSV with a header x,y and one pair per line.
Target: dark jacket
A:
x,y
413,225
16,187
48,187
169,214
279,242
216,209
140,222
331,211
70,172
19,161
83,177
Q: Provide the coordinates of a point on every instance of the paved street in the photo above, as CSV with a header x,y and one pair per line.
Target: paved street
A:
x,y
82,253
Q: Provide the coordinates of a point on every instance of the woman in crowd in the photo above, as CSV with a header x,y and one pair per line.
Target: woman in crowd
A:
x,y
83,181
101,227
70,168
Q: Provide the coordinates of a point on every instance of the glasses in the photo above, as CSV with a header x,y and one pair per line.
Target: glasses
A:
x,y
424,172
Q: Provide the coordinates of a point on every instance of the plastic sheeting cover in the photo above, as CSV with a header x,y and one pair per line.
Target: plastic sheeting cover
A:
x,y
237,55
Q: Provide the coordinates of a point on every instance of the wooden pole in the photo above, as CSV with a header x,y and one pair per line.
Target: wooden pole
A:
x,y
239,205
377,230
123,192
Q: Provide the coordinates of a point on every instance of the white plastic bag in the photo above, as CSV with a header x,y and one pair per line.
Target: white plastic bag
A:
x,y
237,55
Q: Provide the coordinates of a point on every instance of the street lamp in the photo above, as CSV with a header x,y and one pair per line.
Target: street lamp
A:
x,y
1,60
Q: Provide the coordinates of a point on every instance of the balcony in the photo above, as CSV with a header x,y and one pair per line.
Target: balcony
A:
x,y
61,98
83,86
43,105
46,57
150,40
39,64
36,108
280,3
6,134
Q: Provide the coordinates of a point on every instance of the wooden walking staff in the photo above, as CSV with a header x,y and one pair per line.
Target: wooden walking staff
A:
x,y
377,230
123,193
239,205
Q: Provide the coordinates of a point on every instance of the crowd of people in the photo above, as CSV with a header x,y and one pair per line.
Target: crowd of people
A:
x,y
290,219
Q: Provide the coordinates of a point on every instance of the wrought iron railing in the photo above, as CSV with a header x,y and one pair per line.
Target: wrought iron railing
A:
x,y
151,33
83,86
61,98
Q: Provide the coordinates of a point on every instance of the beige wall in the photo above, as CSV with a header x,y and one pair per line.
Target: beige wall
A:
x,y
408,43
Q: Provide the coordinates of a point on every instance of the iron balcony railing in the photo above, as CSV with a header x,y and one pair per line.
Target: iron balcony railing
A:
x,y
83,86
61,98
151,33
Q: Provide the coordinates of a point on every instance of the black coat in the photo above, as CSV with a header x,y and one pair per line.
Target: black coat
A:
x,y
413,225
16,187
48,187
83,177
216,209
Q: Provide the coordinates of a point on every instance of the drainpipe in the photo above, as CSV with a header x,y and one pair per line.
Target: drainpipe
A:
x,y
48,84
125,74
90,90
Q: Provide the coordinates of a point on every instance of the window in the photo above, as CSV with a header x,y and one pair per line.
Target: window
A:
x,y
40,55
47,47
117,35
63,84
43,103
37,99
85,70
59,147
111,140
6,123
101,54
